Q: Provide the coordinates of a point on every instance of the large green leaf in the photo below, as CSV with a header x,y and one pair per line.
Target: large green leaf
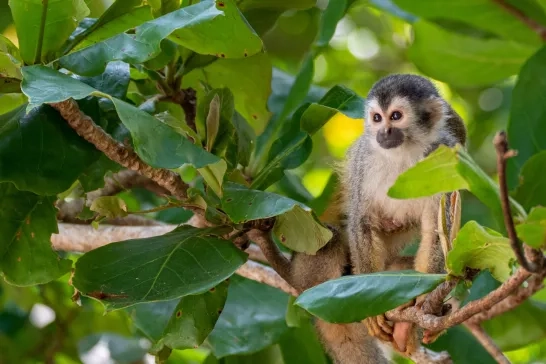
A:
x,y
480,248
26,224
44,30
354,298
533,230
155,142
252,319
335,10
245,5
39,152
485,14
183,262
206,27
530,192
301,345
463,60
527,115
296,226
152,318
462,346
449,169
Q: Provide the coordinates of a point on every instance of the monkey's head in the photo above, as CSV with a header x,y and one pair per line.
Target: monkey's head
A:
x,y
403,109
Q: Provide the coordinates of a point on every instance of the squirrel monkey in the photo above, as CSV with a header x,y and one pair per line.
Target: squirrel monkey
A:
x,y
406,119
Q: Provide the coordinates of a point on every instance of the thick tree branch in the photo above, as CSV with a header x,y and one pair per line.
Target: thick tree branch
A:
x,y
503,153
87,129
427,356
488,343
126,180
531,23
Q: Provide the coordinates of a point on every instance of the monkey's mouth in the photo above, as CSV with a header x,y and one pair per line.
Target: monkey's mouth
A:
x,y
390,143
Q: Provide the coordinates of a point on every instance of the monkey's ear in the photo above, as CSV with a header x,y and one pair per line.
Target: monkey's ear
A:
x,y
436,108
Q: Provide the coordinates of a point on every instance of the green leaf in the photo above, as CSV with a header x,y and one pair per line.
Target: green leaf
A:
x,y
335,10
300,88
214,175
287,152
297,231
183,262
220,129
314,118
354,298
213,121
245,5
152,318
165,6
301,345
26,224
462,60
39,152
120,349
245,138
485,14
449,169
480,248
257,311
526,123
43,27
114,81
462,347
194,318
242,204
109,206
345,101
156,143
121,16
10,66
533,230
530,192
249,79
227,34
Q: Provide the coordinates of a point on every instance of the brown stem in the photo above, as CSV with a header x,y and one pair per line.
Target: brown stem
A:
x,y
501,146
531,23
264,274
488,343
87,129
435,324
435,300
187,99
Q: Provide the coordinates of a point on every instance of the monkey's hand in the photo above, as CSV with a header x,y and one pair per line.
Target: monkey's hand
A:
x,y
406,335
379,327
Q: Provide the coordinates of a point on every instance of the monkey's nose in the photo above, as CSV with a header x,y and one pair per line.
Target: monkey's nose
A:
x,y
388,130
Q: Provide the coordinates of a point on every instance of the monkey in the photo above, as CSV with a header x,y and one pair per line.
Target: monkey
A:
x,y
369,228
406,119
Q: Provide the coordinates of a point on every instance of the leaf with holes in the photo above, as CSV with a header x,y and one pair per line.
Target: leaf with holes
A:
x,y
26,224
480,248
226,32
242,204
354,298
183,262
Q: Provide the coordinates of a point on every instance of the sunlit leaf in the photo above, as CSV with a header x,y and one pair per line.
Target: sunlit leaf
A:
x,y
533,230
225,30
109,206
59,20
481,248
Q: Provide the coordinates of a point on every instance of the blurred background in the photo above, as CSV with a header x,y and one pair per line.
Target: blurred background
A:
x,y
371,41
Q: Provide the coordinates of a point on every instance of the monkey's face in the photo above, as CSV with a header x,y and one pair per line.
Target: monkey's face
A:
x,y
389,124
402,121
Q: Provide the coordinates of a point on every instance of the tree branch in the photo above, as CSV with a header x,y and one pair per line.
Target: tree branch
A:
x,y
261,273
531,23
435,323
488,343
503,153
87,129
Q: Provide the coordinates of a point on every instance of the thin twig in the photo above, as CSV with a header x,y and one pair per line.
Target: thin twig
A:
x,y
503,153
87,129
488,343
531,23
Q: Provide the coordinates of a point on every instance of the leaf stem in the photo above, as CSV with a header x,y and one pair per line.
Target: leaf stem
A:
x,y
39,45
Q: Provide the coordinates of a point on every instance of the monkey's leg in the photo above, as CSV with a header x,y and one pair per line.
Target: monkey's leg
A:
x,y
350,343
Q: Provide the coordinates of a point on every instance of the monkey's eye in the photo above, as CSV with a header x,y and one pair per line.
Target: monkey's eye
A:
x,y
376,118
396,115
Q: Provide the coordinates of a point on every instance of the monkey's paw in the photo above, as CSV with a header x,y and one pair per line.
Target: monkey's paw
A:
x,y
379,327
